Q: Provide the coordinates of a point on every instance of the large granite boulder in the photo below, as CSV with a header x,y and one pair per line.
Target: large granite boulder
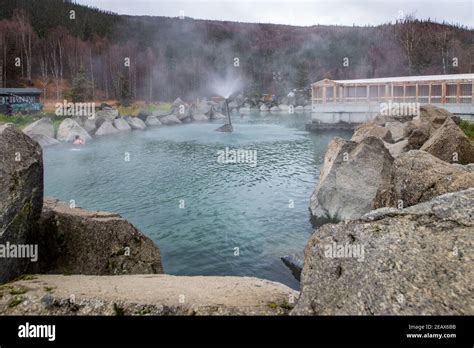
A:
x,y
107,114
43,140
204,106
146,294
200,117
396,129
75,241
398,148
177,102
170,120
122,125
450,144
263,107
420,128
152,121
21,197
371,130
213,114
382,120
185,116
435,116
411,133
239,99
417,132
181,110
469,167
350,177
88,123
234,105
43,126
144,114
136,123
413,261
295,263
68,129
418,176
106,128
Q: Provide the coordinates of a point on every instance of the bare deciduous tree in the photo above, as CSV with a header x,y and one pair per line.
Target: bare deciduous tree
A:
x,y
408,35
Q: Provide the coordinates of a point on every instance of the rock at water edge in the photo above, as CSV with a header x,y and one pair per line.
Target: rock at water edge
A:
x,y
21,199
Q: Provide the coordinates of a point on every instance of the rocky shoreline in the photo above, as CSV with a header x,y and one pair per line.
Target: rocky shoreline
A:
x,y
393,162
406,236
97,263
153,294
416,261
108,121
403,188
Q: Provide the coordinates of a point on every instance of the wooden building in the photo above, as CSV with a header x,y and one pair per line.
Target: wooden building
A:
x,y
432,89
21,99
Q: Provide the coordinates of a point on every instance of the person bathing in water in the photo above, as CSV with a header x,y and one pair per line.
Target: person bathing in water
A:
x,y
78,141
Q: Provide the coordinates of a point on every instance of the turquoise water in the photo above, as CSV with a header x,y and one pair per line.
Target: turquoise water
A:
x,y
168,182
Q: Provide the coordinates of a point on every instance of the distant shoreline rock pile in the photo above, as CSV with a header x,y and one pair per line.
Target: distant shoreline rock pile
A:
x,y
108,121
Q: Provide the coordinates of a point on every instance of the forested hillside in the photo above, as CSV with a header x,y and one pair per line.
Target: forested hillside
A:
x,y
172,57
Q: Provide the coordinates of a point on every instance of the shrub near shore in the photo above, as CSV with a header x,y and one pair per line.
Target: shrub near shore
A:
x,y
22,121
468,128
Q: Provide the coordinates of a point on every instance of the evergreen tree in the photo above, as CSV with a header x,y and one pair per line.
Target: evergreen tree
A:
x,y
302,82
302,76
188,53
81,87
125,93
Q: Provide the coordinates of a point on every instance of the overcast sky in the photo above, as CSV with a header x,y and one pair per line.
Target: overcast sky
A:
x,y
297,12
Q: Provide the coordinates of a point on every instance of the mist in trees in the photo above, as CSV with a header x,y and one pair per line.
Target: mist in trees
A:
x,y
101,55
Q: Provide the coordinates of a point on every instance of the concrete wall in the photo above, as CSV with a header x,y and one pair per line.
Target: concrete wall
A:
x,y
363,112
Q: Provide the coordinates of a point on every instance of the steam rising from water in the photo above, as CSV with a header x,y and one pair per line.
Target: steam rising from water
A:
x,y
226,86
234,209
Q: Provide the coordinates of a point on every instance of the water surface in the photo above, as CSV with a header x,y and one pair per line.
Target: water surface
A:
x,y
167,182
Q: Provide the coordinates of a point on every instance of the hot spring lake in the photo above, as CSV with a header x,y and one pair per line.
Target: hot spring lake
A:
x,y
226,206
